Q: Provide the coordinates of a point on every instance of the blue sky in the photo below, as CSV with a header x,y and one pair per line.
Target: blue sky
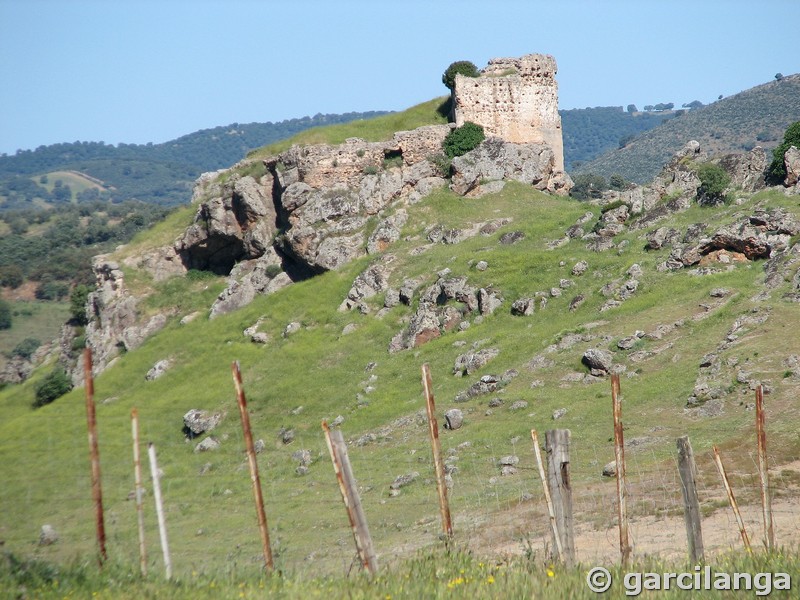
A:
x,y
140,71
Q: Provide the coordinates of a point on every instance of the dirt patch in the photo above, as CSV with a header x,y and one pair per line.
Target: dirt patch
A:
x,y
26,292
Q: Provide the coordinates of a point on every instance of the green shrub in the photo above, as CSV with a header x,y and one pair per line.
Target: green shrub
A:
x,y
461,67
463,139
777,168
442,162
272,271
714,180
53,386
588,186
26,348
5,314
77,304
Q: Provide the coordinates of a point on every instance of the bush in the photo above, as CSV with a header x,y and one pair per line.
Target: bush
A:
x,y
26,348
51,290
463,139
461,67
77,304
714,180
53,386
442,163
777,169
11,276
588,186
617,182
5,315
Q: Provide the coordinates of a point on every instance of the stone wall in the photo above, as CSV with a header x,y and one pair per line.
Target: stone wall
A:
x,y
515,99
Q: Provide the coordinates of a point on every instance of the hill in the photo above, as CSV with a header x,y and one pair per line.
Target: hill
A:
x,y
163,173
692,324
155,173
754,117
590,132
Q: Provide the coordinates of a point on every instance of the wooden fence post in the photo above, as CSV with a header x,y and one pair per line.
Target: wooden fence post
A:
x,y
763,470
547,498
162,523
94,454
556,445
251,460
137,478
352,502
732,499
691,504
433,427
619,456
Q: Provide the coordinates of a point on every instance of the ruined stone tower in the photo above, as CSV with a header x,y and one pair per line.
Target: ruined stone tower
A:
x,y
515,99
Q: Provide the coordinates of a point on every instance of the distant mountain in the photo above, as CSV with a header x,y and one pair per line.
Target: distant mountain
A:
x,y
589,132
755,117
156,173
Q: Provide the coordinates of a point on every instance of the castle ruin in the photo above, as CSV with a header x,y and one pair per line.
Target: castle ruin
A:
x,y
515,99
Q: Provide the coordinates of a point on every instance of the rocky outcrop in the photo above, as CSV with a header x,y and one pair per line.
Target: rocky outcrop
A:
x,y
115,323
235,224
443,307
791,159
748,170
497,161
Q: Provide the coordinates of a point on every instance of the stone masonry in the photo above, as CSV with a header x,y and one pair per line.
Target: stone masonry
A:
x,y
515,99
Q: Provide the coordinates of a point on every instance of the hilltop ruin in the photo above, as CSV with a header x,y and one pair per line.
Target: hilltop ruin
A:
x,y
515,99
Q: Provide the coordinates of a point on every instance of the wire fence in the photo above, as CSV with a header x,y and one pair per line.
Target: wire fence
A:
x,y
495,497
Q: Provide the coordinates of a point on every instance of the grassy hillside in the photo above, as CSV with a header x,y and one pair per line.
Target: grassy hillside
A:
x,y
758,116
327,370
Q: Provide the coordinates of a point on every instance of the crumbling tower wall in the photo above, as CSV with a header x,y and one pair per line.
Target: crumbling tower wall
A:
x,y
515,99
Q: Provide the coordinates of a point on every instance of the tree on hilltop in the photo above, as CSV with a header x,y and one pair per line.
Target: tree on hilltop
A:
x,y
461,67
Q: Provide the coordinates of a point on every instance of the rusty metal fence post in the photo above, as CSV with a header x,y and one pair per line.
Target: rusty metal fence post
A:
x,y
763,470
433,427
94,455
253,464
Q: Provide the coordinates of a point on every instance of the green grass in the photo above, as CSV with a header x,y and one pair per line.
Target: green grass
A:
x,y
373,130
210,516
34,319
434,574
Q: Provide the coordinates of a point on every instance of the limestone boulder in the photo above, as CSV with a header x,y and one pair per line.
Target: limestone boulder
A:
x,y
498,160
237,224
791,159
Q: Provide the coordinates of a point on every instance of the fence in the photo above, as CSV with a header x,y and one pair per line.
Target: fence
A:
x,y
415,490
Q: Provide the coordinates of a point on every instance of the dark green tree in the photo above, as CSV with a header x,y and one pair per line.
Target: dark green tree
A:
x,y
26,348
714,180
777,169
617,182
11,276
77,304
463,139
632,108
461,67
5,315
53,386
588,186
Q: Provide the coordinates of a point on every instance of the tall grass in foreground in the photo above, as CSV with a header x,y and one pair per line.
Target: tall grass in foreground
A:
x,y
436,574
